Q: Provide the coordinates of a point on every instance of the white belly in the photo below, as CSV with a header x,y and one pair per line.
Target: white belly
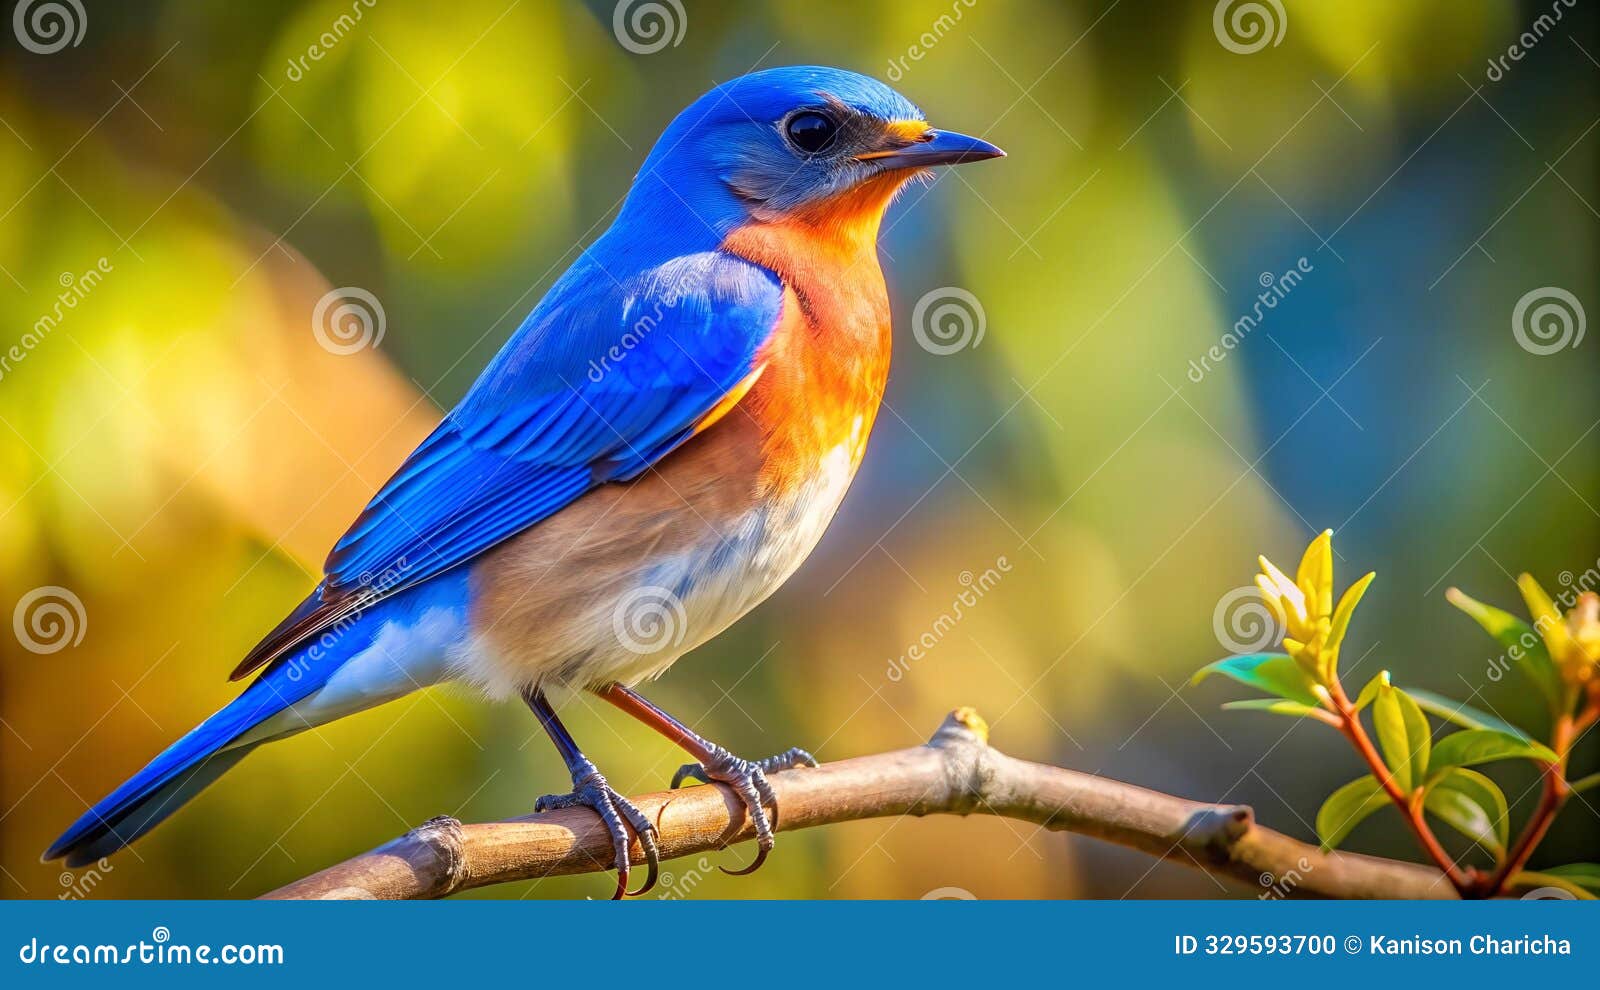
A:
x,y
686,599
629,623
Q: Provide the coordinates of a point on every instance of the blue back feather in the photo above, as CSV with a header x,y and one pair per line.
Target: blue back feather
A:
x,y
611,371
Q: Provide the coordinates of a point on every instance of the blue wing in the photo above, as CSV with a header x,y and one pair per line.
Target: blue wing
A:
x,y
601,381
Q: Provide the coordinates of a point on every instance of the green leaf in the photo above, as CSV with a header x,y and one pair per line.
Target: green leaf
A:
x,y
1348,807
1274,673
1370,692
1473,805
1585,875
1528,879
1347,608
1277,706
1463,715
1546,617
1473,746
1404,734
1523,646
1579,786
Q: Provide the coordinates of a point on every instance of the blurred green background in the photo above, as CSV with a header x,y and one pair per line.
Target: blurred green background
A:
x,y
178,449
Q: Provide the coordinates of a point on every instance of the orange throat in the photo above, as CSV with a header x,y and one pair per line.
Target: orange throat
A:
x,y
826,364
850,220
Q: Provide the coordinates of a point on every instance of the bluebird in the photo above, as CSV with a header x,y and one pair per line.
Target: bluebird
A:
x,y
653,452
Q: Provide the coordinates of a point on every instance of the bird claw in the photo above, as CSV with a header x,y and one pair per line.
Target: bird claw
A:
x,y
590,790
748,779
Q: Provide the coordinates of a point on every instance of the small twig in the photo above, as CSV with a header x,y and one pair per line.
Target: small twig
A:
x,y
1410,809
1556,789
956,772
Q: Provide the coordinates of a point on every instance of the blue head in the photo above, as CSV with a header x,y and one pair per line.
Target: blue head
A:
x,y
782,143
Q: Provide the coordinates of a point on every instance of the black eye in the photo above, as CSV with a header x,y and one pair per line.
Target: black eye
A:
x,y
811,131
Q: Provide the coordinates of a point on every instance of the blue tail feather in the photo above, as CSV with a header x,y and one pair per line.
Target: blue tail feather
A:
x,y
211,748
178,773
100,833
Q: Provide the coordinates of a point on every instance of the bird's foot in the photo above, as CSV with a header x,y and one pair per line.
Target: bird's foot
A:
x,y
590,790
748,778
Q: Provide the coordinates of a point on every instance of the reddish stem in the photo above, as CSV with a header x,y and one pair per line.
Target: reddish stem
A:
x,y
1350,725
1551,798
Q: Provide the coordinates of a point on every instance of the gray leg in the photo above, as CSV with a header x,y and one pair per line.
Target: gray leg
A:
x,y
590,790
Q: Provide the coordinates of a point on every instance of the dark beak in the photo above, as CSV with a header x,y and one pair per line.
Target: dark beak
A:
x,y
936,148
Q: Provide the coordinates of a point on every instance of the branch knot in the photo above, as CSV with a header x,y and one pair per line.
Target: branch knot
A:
x,y
963,739
444,839
1213,832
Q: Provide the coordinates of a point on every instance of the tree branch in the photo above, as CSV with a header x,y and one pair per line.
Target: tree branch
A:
x,y
956,772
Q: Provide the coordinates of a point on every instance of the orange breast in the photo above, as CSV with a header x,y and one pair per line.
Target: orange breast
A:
x,y
828,361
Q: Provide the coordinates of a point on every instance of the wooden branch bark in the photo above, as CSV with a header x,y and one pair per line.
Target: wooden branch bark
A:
x,y
956,772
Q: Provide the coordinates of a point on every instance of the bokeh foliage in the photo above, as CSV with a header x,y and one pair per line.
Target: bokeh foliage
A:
x,y
179,451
